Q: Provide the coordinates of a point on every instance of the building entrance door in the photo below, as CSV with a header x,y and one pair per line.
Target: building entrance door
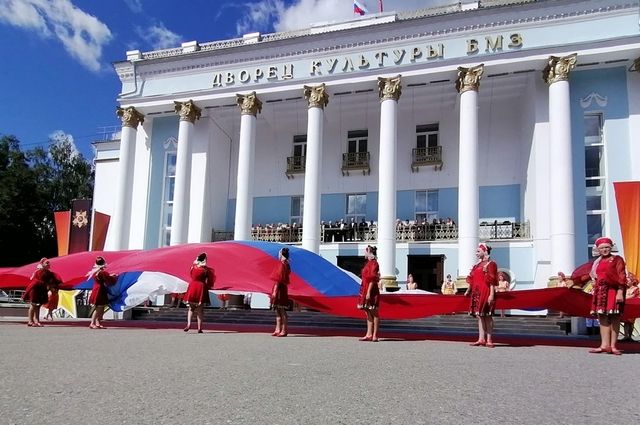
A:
x,y
427,270
352,263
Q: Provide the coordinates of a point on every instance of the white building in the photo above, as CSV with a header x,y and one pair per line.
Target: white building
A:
x,y
512,118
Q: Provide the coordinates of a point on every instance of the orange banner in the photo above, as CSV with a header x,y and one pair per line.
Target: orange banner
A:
x,y
628,202
100,227
63,226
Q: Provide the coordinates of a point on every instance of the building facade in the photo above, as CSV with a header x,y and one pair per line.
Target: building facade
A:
x,y
423,133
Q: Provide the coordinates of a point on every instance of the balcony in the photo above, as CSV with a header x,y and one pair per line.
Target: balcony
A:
x,y
355,161
421,157
405,232
295,165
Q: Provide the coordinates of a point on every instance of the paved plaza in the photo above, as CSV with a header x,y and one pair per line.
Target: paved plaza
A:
x,y
73,375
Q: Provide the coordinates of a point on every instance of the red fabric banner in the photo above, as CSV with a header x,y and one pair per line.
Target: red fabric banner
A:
x,y
63,222
628,203
100,227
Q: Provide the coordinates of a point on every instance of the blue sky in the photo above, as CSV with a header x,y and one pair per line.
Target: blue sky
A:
x,y
56,73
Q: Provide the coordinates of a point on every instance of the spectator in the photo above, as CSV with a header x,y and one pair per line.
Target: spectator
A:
x,y
449,286
411,284
503,286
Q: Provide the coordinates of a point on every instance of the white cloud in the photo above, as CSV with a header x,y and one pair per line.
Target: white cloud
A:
x,y
81,34
134,5
159,37
59,137
261,14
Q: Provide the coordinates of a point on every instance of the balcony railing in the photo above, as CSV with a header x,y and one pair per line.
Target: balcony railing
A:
x,y
295,165
281,234
369,233
354,161
421,157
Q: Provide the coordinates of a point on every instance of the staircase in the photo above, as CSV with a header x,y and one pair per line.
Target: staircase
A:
x,y
454,324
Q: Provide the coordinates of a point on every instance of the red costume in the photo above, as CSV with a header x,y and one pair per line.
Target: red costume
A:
x,y
202,280
370,276
483,275
101,279
36,291
280,291
52,303
609,275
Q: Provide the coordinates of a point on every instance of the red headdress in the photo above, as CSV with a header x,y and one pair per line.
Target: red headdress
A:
x,y
601,241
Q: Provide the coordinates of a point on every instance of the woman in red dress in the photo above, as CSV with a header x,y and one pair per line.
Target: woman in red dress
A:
x,y
610,277
370,294
99,295
280,293
197,296
36,291
482,281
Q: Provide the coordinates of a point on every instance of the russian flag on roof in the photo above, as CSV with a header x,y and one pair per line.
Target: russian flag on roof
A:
x,y
359,8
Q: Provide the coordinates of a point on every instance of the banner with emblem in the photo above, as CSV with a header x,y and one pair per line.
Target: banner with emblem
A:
x,y
80,225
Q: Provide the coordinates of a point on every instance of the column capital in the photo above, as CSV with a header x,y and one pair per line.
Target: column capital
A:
x,y
389,88
558,68
249,103
316,96
188,111
469,78
130,117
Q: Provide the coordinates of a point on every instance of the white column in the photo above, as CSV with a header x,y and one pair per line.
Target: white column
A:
x,y
317,98
188,113
121,219
556,74
250,105
390,90
468,189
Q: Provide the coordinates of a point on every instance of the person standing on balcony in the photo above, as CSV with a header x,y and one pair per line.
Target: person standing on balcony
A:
x,y
99,295
482,281
203,278
280,293
36,292
370,293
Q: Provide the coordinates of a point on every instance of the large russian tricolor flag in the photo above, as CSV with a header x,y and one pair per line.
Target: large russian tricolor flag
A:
x,y
359,8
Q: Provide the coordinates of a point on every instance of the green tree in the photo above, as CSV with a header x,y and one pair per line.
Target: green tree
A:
x,y
33,185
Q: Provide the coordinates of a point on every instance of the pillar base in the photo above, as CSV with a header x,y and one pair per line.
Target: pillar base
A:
x,y
389,283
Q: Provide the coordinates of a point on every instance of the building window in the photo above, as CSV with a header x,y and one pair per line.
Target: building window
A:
x,y
427,151
300,145
595,176
357,141
167,197
427,136
297,209
296,163
356,207
426,205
